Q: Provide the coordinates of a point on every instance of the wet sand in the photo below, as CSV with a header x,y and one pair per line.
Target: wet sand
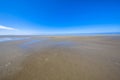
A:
x,y
61,58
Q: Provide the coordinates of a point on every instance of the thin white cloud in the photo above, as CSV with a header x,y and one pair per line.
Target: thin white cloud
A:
x,y
7,28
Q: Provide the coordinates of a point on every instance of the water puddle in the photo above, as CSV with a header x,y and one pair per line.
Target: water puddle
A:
x,y
5,39
27,44
65,43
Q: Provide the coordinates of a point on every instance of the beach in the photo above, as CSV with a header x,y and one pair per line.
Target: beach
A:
x,y
60,58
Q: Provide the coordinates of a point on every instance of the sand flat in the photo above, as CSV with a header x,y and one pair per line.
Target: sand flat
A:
x,y
63,58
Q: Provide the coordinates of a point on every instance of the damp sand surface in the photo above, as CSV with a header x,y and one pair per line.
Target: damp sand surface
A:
x,y
61,58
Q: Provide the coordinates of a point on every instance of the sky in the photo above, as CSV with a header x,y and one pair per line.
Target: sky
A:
x,y
34,17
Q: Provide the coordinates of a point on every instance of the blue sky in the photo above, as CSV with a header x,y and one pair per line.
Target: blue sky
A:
x,y
59,16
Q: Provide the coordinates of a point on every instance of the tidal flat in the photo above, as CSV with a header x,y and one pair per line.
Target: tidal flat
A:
x,y
60,58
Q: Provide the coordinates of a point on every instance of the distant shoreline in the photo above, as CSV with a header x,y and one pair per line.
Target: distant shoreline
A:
x,y
68,34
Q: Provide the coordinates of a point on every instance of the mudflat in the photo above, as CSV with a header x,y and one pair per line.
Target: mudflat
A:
x,y
61,58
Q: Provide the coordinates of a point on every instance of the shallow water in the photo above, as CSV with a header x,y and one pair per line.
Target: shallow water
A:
x,y
65,43
11,39
27,44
